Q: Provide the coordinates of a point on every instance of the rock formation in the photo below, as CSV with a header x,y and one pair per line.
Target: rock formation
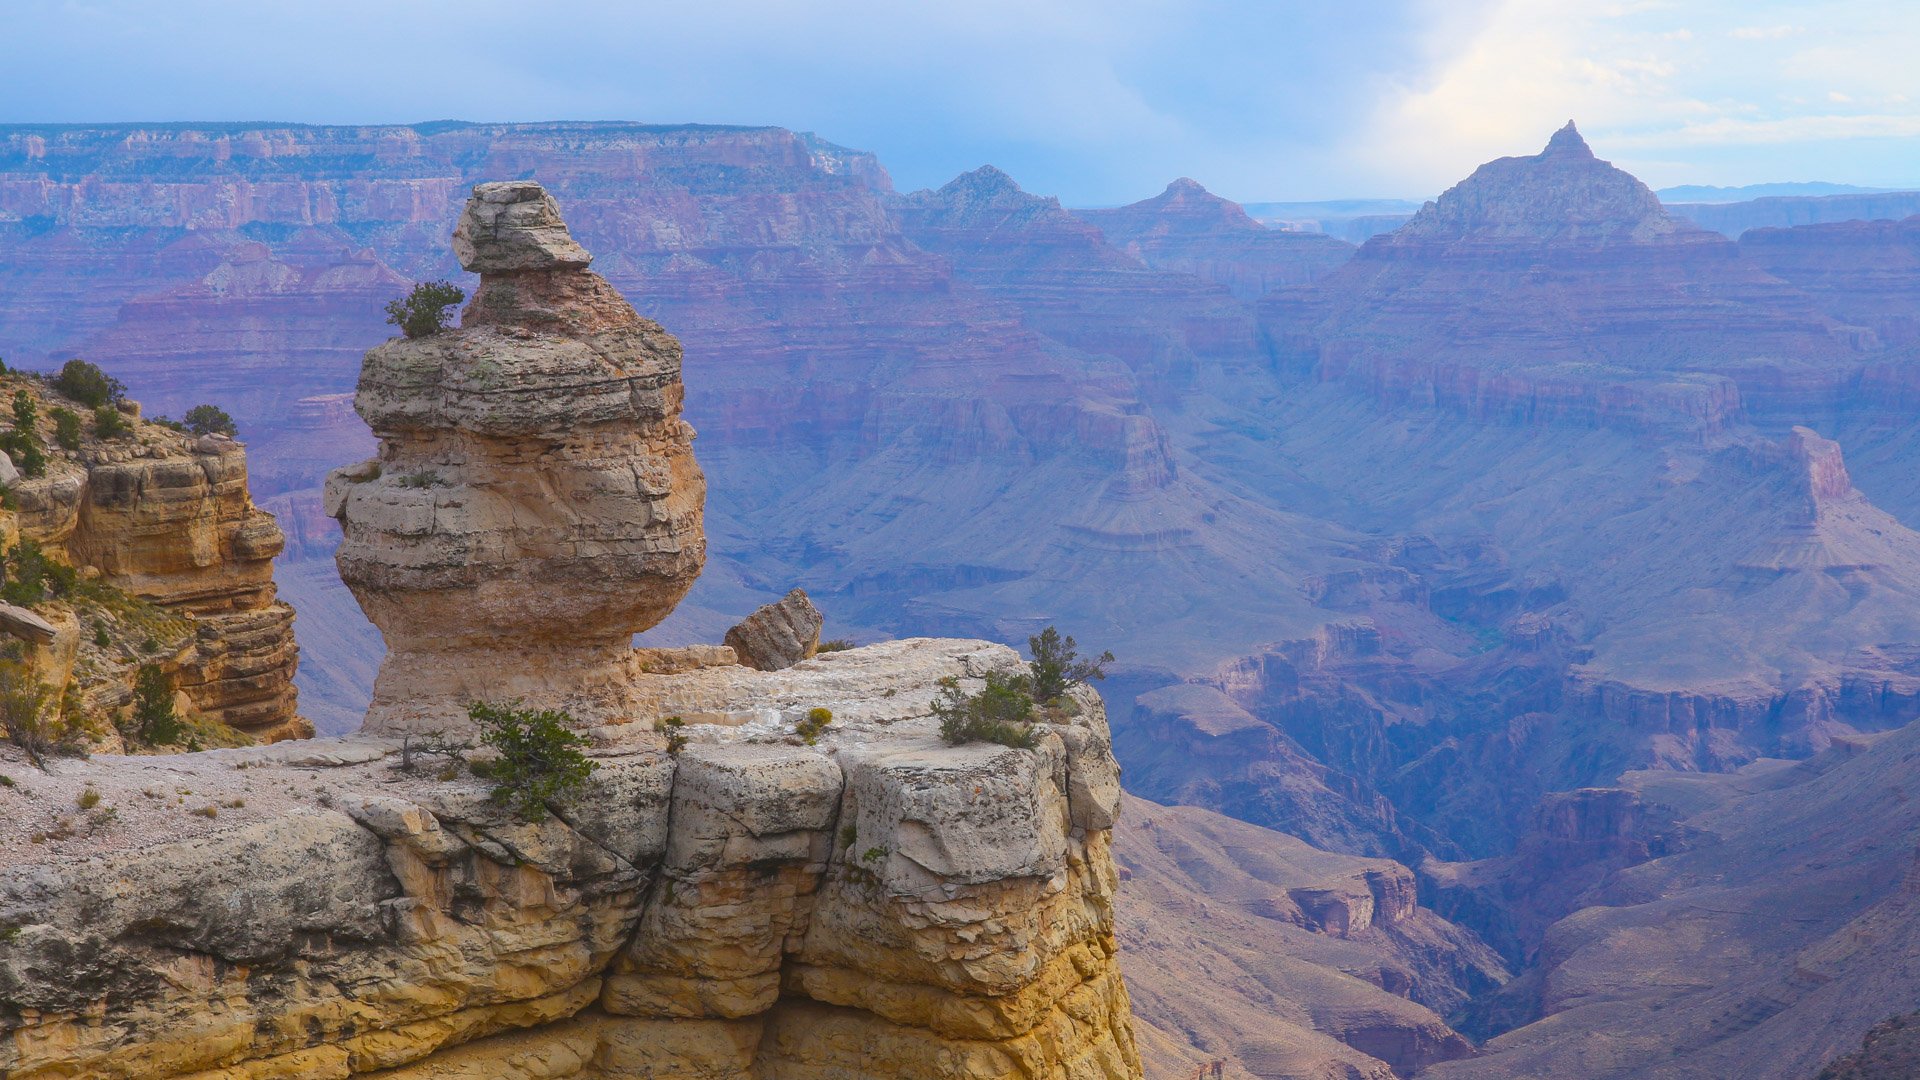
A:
x,y
1250,946
1189,229
876,905
165,523
778,635
535,501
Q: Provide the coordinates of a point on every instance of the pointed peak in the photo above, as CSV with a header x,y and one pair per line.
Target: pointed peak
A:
x,y
1185,186
1567,143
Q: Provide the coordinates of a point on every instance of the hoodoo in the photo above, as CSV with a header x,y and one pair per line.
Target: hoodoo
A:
x,y
755,875
535,501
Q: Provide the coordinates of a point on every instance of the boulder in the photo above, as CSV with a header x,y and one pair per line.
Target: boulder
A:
x,y
778,635
25,625
515,225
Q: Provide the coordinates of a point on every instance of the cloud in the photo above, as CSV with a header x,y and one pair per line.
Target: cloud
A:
x,y
1098,101
1703,95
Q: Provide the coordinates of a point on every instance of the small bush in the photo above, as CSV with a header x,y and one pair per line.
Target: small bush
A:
x,y
540,758
208,419
87,384
815,723
108,423
419,480
24,450
155,721
66,427
1002,712
100,636
838,644
208,811
88,799
424,311
25,413
24,715
31,576
166,422
670,727
1056,665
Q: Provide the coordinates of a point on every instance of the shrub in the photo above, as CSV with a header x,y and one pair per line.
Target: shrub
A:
x,y
87,384
424,311
109,424
838,644
540,759
815,723
207,419
1056,665
66,427
88,799
155,722
1002,712
24,715
100,636
31,575
25,412
24,450
670,727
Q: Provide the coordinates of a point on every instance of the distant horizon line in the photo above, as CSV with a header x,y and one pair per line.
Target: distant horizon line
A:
x,y
1378,205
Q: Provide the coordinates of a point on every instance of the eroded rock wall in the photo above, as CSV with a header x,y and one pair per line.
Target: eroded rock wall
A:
x,y
877,904
166,519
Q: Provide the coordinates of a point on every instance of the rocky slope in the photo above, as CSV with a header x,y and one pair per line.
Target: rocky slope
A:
x,y
877,905
1250,947
175,567
1767,941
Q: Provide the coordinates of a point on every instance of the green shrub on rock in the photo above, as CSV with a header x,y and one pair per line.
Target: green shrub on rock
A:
x,y
109,424
540,760
209,420
424,310
1002,712
88,385
66,427
1056,665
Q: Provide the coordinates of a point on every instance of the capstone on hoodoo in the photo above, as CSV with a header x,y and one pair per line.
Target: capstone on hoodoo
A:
x,y
535,501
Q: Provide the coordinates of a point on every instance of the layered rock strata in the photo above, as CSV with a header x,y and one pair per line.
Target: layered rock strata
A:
x,y
877,904
534,501
165,521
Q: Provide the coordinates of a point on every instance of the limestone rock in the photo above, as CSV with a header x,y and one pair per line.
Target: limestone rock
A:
x,y
25,625
515,225
778,635
877,904
535,501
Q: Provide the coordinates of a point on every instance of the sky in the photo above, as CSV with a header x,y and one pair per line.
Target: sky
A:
x,y
1099,103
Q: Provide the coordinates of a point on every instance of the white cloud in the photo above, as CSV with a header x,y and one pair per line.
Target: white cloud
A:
x,y
1682,82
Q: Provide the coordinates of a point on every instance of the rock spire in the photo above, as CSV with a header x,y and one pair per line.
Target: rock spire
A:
x,y
535,500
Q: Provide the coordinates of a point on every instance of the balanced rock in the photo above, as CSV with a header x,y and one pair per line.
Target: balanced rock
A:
x,y
515,225
778,635
535,501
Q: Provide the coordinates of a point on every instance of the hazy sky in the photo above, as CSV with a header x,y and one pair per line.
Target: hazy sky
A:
x,y
1097,102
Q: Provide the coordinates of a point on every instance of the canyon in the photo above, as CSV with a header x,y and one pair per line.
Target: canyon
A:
x,y
1410,551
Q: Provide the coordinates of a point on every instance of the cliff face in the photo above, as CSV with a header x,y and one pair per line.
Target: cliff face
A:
x,y
877,905
165,523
